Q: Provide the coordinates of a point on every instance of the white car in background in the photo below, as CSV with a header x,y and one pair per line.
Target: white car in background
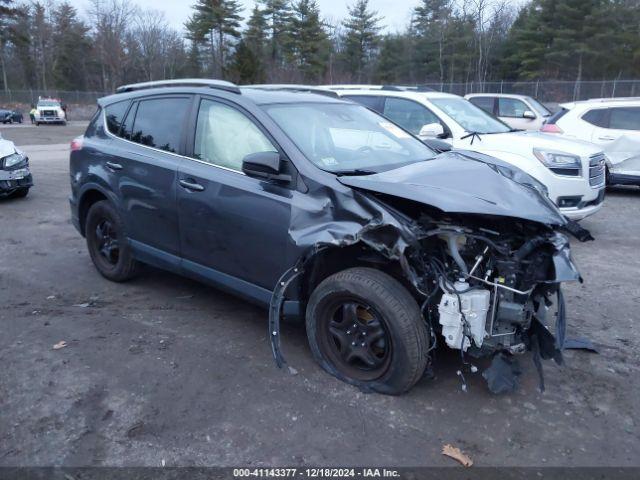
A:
x,y
573,171
611,123
518,111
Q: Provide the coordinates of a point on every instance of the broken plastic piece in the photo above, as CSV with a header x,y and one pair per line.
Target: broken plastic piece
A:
x,y
580,344
503,376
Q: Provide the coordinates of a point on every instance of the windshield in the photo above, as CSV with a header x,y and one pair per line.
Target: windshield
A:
x,y
468,116
48,103
540,108
345,138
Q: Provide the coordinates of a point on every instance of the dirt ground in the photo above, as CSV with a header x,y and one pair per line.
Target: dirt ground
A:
x,y
166,371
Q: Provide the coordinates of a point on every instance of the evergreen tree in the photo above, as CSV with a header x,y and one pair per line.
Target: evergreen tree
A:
x,y
278,16
246,66
72,47
219,20
9,33
431,18
255,36
361,38
309,45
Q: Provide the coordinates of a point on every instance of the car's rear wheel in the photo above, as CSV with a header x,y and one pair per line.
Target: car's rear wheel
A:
x,y
366,329
107,243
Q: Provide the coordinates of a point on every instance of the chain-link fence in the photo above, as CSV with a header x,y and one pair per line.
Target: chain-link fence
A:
x,y
555,91
28,97
552,91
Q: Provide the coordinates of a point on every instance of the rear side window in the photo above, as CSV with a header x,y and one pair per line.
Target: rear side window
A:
x,y
159,122
596,117
625,118
115,115
408,114
510,107
485,103
369,101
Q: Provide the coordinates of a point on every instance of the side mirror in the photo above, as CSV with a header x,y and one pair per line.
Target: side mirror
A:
x,y
529,115
264,165
431,130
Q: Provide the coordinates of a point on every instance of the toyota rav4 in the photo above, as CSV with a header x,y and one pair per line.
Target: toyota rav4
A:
x,y
321,209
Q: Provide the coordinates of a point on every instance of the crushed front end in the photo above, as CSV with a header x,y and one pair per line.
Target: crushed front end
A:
x,y
493,288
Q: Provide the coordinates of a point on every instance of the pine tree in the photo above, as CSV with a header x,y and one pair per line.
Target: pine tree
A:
x,y
361,38
430,22
278,15
218,20
309,45
255,36
246,66
72,47
9,15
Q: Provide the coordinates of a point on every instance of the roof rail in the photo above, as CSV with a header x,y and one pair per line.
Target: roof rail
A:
x,y
285,87
181,82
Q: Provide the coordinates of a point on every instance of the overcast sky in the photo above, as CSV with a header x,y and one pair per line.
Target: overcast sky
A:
x,y
395,13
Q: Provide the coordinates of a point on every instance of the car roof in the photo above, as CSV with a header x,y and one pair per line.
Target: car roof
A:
x,y
396,93
503,95
257,96
603,102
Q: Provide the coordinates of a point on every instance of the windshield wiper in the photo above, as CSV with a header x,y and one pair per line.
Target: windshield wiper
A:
x,y
473,136
355,171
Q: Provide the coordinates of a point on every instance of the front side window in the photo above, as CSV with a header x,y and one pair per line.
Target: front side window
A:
x,y
345,138
115,115
158,123
627,118
468,116
224,136
485,103
511,107
409,114
539,107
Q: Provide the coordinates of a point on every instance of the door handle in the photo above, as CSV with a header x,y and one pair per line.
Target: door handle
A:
x,y
191,185
606,137
113,166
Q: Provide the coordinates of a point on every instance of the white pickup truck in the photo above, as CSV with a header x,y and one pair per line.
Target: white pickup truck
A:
x,y
50,111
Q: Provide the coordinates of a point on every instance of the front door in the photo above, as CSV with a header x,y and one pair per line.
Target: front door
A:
x,y
231,226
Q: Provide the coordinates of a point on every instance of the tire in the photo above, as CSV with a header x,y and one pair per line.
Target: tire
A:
x,y
110,251
20,193
400,354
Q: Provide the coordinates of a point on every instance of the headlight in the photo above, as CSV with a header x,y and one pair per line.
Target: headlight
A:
x,y
13,160
560,163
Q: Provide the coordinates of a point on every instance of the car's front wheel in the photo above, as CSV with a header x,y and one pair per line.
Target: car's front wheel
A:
x,y
20,193
107,243
366,329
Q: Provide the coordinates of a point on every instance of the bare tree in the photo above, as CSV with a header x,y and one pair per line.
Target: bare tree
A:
x,y
111,19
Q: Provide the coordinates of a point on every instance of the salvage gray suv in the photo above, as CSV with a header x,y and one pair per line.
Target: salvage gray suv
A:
x,y
321,209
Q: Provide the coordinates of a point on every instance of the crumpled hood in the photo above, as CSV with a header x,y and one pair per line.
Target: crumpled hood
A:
x,y
6,148
457,182
530,140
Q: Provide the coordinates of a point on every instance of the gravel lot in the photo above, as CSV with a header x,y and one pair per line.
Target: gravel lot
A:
x,y
163,369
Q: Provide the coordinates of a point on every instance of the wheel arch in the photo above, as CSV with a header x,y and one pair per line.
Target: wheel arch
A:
x,y
90,195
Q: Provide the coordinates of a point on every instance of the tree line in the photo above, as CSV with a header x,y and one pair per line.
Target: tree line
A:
x,y
48,44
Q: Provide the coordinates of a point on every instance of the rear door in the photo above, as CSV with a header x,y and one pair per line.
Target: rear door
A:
x,y
232,227
620,121
150,153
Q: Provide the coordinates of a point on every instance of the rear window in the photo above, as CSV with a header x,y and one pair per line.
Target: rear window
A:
x,y
596,117
158,122
625,118
115,115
